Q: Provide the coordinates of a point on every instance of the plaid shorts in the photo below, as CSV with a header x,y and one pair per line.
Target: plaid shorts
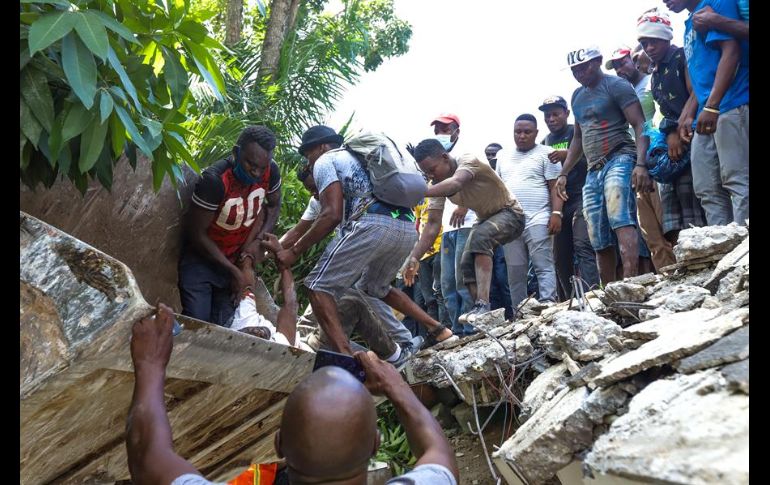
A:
x,y
609,202
681,208
368,254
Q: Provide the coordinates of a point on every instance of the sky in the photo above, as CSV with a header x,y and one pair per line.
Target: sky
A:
x,y
487,61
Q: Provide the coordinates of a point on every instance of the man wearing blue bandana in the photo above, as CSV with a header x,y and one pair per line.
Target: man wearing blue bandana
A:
x,y
236,201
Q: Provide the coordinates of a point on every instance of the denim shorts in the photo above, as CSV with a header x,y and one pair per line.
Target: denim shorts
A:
x,y
609,202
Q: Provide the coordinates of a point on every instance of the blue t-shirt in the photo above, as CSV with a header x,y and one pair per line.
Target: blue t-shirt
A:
x,y
703,54
743,8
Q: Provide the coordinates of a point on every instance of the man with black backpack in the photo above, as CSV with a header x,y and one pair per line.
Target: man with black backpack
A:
x,y
374,235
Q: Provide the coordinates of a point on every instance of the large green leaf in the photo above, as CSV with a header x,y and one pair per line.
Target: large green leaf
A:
x,y
114,25
58,3
133,132
104,168
80,69
37,94
29,125
91,143
49,28
176,76
65,159
76,122
105,105
91,30
193,30
24,56
208,68
117,135
55,142
123,75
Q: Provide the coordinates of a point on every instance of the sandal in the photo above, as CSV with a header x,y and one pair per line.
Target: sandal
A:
x,y
430,337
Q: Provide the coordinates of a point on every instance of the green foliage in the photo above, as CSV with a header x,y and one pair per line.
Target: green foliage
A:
x,y
394,447
100,77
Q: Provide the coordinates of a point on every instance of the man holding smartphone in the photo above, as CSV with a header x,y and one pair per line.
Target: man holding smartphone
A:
x,y
330,398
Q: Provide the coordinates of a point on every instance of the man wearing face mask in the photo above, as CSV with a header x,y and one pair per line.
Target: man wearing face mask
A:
x,y
225,223
456,223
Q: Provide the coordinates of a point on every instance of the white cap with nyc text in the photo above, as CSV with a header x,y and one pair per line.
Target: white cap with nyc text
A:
x,y
582,55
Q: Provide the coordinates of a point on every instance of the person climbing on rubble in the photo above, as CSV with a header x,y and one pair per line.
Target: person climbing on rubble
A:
x,y
467,182
367,316
328,399
224,224
372,240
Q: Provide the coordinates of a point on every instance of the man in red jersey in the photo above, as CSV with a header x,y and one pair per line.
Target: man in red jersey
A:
x,y
236,201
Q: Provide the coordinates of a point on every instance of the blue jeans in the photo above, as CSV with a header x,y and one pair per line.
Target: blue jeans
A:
x,y
499,294
609,202
457,298
205,290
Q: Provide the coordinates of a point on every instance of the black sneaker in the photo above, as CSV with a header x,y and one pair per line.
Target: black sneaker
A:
x,y
479,308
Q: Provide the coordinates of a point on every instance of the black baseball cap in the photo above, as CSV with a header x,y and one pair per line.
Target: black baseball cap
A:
x,y
553,101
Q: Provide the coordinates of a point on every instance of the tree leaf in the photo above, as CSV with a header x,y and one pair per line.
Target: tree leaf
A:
x,y
65,159
124,79
176,75
117,136
76,122
49,28
24,56
80,69
193,31
133,132
262,9
105,105
91,143
29,125
114,26
104,168
55,142
93,34
208,69
35,91
58,3
24,151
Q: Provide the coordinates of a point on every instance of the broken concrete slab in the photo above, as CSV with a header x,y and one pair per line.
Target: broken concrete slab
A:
x,y
731,348
605,402
547,382
490,320
737,257
582,335
680,298
652,329
622,291
732,283
702,242
673,343
546,442
524,348
737,376
672,433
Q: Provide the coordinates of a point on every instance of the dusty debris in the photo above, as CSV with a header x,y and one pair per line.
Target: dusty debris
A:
x,y
731,348
737,376
681,298
524,348
545,383
674,434
582,335
625,292
672,344
702,242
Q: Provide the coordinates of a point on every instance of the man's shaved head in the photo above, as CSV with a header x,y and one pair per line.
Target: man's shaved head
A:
x,y
328,428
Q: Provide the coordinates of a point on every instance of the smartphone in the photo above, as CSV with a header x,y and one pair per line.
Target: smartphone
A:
x,y
347,362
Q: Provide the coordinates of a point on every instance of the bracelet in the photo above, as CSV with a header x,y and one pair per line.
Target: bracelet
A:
x,y
558,213
641,165
711,109
561,175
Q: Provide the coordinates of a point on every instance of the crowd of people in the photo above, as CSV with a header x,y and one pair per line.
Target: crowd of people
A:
x,y
659,147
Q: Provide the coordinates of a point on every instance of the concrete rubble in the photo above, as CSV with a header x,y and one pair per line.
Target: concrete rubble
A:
x,y
648,383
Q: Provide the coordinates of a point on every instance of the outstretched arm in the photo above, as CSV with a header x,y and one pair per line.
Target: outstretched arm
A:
x,y
149,446
450,186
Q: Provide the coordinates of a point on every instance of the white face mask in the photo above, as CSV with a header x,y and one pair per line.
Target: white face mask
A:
x,y
445,141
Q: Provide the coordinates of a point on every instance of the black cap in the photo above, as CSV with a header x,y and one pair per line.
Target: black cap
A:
x,y
553,101
318,135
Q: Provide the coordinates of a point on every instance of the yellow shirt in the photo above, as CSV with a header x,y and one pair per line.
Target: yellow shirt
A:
x,y
421,213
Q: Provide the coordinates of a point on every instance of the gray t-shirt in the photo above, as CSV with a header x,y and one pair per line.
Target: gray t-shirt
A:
x,y
421,475
341,166
599,112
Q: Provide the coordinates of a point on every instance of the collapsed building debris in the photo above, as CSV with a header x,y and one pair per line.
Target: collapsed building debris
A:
x,y
644,381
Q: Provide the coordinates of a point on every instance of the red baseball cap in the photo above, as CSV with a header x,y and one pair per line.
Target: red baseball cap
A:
x,y
619,54
446,118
